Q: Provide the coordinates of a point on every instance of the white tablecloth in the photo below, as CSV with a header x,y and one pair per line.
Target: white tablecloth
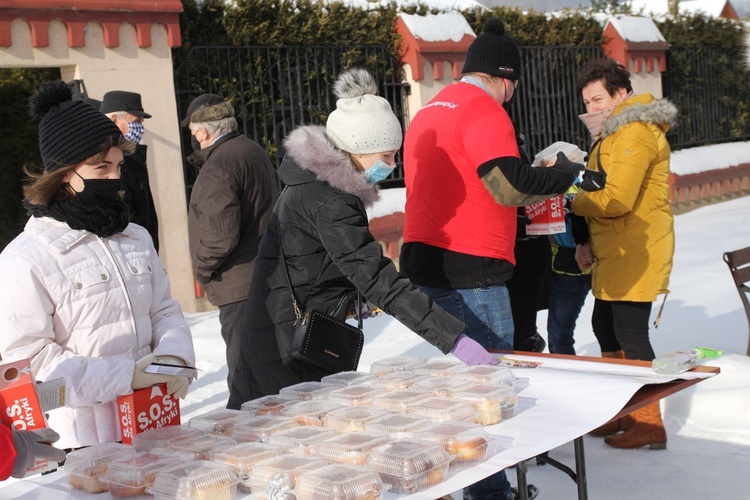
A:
x,y
558,402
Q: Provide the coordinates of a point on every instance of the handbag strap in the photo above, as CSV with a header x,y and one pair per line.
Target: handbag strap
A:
x,y
295,304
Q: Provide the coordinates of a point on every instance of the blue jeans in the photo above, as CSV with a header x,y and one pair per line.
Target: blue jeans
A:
x,y
566,297
486,312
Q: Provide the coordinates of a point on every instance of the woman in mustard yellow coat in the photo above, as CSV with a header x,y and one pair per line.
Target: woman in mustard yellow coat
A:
x,y
625,201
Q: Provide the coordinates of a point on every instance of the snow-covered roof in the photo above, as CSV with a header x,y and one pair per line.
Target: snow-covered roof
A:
x,y
636,29
443,5
439,27
710,8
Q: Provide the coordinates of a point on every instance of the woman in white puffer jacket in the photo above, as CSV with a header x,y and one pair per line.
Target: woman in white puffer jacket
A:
x,y
84,294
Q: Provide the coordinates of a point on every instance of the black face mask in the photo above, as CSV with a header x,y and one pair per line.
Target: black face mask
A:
x,y
194,143
101,192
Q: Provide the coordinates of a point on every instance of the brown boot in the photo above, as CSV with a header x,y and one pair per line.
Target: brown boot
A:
x,y
621,424
613,427
648,430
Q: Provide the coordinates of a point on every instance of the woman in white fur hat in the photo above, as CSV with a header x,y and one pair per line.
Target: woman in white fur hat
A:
x,y
331,176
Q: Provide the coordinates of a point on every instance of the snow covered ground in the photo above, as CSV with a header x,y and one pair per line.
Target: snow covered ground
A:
x,y
708,425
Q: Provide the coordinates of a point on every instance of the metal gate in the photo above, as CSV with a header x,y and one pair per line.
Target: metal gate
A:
x,y
276,89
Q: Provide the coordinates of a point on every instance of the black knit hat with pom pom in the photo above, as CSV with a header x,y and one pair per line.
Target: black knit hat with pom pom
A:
x,y
70,131
493,52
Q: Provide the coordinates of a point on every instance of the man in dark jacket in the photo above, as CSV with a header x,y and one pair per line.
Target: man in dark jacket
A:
x,y
231,200
125,109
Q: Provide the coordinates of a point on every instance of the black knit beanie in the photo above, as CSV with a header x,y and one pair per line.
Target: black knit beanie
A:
x,y
70,131
493,52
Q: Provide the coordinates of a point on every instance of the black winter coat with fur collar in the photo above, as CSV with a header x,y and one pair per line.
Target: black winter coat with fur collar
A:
x,y
321,220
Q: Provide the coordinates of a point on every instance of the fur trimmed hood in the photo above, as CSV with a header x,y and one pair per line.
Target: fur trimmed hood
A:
x,y
642,108
309,147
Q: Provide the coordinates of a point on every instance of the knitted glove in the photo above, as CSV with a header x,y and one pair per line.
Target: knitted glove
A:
x,y
142,380
178,387
575,168
471,352
31,445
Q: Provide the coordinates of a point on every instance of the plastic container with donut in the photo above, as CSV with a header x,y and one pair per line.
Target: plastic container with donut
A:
x,y
243,457
396,424
86,467
444,410
277,477
201,447
301,439
219,421
440,368
355,395
352,418
339,482
163,437
493,403
260,428
194,480
395,364
439,387
397,381
347,378
352,448
410,465
398,401
129,477
268,405
467,442
488,374
310,412
305,391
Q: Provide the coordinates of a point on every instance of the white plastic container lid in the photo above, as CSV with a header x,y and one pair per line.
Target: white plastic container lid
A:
x,y
94,460
439,387
202,446
397,381
194,480
339,482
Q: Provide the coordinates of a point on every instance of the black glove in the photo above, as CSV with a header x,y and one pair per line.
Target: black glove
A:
x,y
574,168
568,202
521,222
593,180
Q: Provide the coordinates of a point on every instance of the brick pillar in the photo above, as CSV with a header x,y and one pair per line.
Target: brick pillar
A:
x,y
637,44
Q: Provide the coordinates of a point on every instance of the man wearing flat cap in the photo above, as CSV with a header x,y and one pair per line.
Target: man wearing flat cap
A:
x,y
231,201
126,111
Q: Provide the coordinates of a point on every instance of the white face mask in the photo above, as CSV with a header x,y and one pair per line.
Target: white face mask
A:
x,y
595,120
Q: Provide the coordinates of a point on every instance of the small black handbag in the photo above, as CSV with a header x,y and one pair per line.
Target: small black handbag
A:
x,y
323,340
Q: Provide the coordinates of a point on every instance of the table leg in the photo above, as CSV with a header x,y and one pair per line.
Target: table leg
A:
x,y
581,479
523,490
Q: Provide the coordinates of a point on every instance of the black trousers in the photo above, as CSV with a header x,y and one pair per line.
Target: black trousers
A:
x,y
231,317
623,325
528,290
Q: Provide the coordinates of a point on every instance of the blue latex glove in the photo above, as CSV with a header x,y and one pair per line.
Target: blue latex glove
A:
x,y
471,352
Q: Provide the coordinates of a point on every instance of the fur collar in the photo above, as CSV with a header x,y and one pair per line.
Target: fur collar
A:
x,y
642,108
311,150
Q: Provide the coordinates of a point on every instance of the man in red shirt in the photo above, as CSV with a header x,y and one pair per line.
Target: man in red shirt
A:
x,y
464,179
